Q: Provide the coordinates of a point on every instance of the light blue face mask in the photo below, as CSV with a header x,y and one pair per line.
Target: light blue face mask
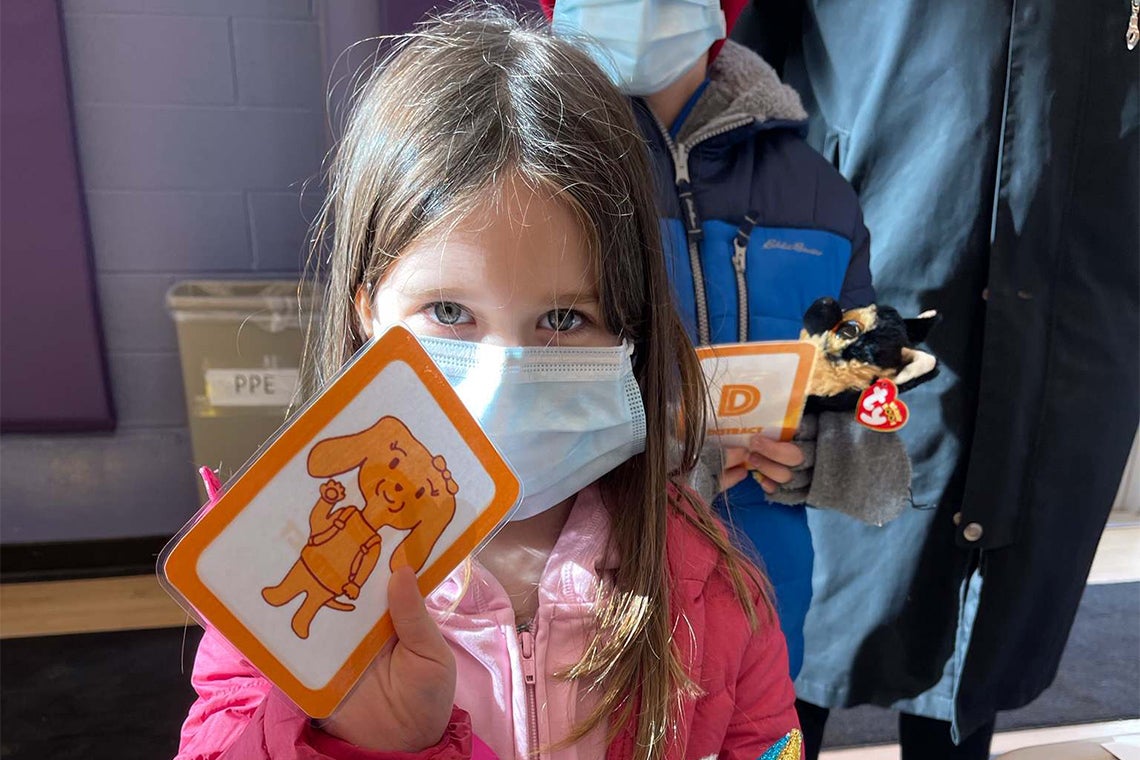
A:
x,y
562,417
644,45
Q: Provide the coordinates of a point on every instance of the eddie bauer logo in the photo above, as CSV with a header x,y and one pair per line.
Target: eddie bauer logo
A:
x,y
797,246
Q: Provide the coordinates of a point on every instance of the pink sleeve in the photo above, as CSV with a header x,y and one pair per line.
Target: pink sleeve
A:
x,y
240,715
229,691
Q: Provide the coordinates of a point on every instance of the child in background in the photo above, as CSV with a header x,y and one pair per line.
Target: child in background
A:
x,y
492,194
756,224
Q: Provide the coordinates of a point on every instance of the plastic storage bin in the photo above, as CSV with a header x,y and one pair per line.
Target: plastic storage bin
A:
x,y
240,343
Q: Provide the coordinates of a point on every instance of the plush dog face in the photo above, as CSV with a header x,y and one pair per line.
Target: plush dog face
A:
x,y
858,346
400,479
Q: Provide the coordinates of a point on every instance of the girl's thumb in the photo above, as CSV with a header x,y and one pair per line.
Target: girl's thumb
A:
x,y
415,628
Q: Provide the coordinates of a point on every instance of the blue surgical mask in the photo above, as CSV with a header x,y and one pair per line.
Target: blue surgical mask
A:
x,y
562,417
644,45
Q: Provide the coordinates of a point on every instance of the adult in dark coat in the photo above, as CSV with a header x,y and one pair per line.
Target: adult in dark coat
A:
x,y
994,146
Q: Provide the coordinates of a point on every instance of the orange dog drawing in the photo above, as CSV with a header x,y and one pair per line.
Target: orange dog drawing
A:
x,y
404,486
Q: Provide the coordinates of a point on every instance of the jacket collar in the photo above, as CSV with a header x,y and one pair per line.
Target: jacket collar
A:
x,y
580,557
571,576
742,89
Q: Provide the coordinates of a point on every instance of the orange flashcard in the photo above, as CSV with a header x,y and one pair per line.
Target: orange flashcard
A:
x,y
291,563
756,388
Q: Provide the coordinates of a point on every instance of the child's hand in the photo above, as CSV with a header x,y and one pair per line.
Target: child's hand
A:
x,y
772,460
735,468
403,702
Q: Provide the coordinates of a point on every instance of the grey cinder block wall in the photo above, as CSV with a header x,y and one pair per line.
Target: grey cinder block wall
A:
x,y
198,123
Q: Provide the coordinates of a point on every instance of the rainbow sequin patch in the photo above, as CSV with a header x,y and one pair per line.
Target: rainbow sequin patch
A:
x,y
788,748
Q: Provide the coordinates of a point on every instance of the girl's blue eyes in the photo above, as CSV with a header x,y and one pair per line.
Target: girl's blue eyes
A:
x,y
561,320
450,314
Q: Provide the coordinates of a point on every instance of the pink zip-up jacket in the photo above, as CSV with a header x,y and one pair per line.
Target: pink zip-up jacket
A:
x,y
509,702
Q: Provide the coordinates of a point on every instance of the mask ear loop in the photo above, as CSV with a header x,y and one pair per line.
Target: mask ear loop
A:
x,y
630,348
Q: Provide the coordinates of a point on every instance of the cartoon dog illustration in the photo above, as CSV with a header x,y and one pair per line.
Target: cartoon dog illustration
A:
x,y
404,486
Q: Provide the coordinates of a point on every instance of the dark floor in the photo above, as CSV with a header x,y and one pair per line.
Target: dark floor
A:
x,y
1098,678
96,696
124,695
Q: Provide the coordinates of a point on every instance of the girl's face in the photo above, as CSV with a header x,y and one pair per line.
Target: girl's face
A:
x,y
516,272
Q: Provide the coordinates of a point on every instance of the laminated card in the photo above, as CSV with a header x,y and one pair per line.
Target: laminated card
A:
x,y
756,388
291,563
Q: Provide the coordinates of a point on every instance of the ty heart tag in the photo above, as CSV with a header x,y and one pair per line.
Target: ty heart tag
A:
x,y
881,409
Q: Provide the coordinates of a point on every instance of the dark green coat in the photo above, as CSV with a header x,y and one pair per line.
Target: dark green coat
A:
x,y
994,146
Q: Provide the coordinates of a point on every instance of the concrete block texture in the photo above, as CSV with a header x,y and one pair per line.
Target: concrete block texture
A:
x,y
240,8
172,148
278,63
134,313
150,59
168,232
280,227
148,390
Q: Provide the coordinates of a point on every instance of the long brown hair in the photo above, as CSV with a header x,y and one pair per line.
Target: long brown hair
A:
x,y
454,109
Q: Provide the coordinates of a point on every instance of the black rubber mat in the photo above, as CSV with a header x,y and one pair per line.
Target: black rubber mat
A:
x,y
96,695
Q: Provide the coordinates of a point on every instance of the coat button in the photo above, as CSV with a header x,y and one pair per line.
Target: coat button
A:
x,y
972,532
957,518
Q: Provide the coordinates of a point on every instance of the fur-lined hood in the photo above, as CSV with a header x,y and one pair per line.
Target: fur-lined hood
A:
x,y
741,86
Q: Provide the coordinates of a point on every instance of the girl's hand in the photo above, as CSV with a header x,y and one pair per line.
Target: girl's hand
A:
x,y
403,702
735,468
773,460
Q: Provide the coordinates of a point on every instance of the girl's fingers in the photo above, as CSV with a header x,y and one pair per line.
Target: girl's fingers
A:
x,y
772,471
767,484
769,460
415,628
733,475
734,457
780,452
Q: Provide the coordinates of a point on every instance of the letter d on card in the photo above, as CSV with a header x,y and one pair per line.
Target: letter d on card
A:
x,y
738,399
386,468
756,388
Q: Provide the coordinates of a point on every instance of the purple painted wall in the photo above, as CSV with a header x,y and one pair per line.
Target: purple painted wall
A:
x,y
201,127
52,368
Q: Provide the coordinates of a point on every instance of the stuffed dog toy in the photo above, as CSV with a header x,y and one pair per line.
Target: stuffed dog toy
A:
x,y
859,346
864,358
404,486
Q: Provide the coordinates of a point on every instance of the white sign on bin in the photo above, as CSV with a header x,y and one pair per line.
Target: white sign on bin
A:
x,y
251,386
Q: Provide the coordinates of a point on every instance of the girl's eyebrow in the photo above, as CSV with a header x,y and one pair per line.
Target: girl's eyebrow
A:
x,y
434,293
584,297
459,294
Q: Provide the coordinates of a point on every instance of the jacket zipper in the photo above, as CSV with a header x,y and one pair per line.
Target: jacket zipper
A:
x,y
530,679
693,232
1132,35
740,263
692,220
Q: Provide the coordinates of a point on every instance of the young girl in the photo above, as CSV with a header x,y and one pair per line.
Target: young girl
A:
x,y
491,193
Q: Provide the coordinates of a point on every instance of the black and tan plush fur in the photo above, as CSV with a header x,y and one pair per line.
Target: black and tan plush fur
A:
x,y
858,346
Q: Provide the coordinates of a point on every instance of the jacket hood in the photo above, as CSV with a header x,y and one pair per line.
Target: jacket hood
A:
x,y
741,87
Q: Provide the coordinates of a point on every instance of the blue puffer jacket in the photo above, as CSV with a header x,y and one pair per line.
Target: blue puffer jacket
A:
x,y
756,227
